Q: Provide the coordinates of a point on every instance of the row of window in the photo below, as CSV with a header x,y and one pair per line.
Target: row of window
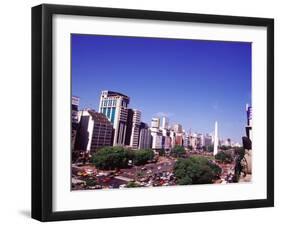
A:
x,y
109,113
108,103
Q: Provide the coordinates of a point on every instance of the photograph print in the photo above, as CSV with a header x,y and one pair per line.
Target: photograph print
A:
x,y
150,112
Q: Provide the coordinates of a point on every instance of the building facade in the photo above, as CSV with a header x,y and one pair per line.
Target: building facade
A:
x,y
249,122
157,142
178,128
165,123
133,128
145,136
155,123
114,106
208,140
95,131
74,119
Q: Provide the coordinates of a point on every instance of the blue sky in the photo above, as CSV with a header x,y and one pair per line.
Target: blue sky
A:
x,y
193,82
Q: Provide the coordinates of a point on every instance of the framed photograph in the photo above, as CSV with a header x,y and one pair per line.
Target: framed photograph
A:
x,y
145,112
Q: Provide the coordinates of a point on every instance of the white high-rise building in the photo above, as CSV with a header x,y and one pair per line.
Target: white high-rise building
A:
x,y
165,123
173,138
114,106
136,121
155,123
156,134
156,138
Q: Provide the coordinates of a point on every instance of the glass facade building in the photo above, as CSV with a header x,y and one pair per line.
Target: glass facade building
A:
x,y
114,106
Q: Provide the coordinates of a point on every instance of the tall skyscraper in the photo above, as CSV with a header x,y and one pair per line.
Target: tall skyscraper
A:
x,y
74,119
173,138
145,136
156,134
94,132
165,123
133,128
114,106
156,139
216,139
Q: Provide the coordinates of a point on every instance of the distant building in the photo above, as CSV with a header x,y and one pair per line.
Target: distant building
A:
x,y
94,132
208,140
74,119
114,106
166,138
249,122
192,140
237,145
155,123
173,138
133,128
179,140
156,135
145,136
165,123
185,141
167,142
200,141
178,128
216,139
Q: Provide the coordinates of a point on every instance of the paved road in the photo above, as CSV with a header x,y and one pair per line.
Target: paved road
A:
x,y
149,169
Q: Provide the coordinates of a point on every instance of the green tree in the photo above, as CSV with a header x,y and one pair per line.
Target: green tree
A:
x,y
91,182
196,170
224,147
224,157
240,151
112,157
142,156
178,151
185,181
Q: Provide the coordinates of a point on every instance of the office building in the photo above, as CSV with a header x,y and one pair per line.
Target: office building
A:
x,y
178,128
173,138
216,139
165,123
208,140
155,123
192,141
179,139
200,141
94,132
156,139
114,106
133,128
145,136
74,119
249,122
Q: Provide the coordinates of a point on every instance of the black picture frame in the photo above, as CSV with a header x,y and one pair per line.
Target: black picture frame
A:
x,y
42,111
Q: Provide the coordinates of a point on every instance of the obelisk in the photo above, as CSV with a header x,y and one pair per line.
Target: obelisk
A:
x,y
216,139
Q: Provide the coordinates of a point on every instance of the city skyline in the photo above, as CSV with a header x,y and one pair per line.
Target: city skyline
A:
x,y
163,77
